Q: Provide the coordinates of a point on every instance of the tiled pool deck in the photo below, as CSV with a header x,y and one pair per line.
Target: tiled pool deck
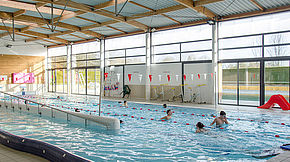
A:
x,y
10,155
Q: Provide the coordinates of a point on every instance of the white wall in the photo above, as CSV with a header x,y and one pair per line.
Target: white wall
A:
x,y
113,79
204,92
171,69
137,71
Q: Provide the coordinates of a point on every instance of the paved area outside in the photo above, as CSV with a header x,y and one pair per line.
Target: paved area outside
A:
x,y
10,155
284,157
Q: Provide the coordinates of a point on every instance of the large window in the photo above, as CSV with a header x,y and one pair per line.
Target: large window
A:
x,y
57,69
125,50
85,68
181,45
249,49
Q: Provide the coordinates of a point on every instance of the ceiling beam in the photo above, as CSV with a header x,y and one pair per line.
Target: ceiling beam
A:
x,y
93,21
105,13
34,37
257,5
78,36
108,4
31,7
197,6
19,12
170,18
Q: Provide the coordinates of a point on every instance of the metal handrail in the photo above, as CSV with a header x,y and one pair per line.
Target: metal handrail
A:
x,y
52,108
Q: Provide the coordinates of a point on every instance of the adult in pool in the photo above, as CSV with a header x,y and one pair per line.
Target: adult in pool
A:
x,y
168,116
219,121
200,128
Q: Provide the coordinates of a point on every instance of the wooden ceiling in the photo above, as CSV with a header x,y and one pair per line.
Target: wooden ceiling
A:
x,y
75,24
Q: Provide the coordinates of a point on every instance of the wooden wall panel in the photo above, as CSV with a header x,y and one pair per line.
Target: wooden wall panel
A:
x,y
22,64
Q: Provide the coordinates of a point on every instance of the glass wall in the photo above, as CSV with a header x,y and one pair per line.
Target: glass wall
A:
x,y
182,45
277,78
57,70
125,50
85,68
260,47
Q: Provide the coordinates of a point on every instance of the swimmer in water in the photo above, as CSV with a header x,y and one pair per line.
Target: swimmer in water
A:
x,y
58,97
125,104
77,110
219,121
121,121
164,106
168,116
200,128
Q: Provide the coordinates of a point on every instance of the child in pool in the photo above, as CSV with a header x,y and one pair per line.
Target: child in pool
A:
x,y
164,106
125,104
168,116
199,128
219,121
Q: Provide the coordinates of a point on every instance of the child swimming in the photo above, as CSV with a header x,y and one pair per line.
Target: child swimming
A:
x,y
200,128
220,120
168,116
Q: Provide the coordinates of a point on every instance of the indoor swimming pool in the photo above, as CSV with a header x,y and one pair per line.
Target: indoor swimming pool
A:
x,y
144,137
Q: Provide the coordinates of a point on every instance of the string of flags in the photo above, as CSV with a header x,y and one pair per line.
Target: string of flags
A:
x,y
168,77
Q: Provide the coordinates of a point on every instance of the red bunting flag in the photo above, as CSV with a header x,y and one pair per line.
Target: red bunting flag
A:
x,y
198,76
168,78
150,78
184,77
106,76
130,77
211,74
254,76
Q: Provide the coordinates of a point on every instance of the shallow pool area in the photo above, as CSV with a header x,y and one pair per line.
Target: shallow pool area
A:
x,y
143,137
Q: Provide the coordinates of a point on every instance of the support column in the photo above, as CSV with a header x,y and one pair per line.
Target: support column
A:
x,y
148,65
215,29
102,68
69,73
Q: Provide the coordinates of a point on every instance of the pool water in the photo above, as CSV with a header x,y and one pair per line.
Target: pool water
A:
x,y
143,137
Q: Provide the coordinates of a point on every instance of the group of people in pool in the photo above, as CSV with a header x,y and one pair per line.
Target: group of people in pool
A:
x,y
219,121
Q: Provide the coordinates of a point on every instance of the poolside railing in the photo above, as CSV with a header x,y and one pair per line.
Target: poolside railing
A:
x,y
108,122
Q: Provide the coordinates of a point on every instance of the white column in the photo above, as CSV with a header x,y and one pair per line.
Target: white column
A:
x,y
148,65
69,73
102,67
215,62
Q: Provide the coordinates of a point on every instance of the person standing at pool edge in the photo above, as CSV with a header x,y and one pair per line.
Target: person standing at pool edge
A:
x,y
168,116
220,120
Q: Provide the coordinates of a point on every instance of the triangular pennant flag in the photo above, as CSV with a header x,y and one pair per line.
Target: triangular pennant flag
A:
x,y
160,77
150,78
198,75
130,77
106,76
168,78
140,77
192,77
184,77
177,76
205,75
211,74
118,76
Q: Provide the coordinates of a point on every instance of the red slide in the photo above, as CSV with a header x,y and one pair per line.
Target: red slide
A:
x,y
276,99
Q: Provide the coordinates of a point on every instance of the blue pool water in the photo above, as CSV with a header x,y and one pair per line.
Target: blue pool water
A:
x,y
148,139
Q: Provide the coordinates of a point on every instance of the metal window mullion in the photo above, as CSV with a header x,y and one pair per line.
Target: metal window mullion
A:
x,y
238,83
